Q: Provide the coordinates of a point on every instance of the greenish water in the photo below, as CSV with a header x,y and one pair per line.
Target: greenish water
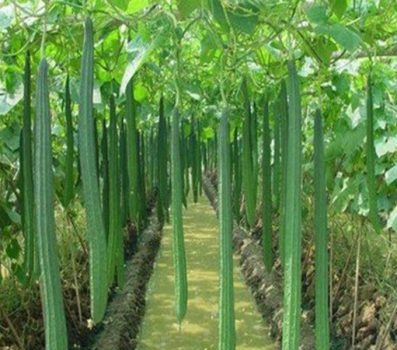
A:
x,y
199,330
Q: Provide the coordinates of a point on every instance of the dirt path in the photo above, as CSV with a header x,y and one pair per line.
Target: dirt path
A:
x,y
200,328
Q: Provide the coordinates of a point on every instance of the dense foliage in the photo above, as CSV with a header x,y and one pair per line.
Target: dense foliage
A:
x,y
132,102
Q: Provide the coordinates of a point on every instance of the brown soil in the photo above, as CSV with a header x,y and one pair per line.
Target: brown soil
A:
x,y
126,311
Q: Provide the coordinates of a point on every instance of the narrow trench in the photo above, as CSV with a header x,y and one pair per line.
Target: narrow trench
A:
x,y
199,331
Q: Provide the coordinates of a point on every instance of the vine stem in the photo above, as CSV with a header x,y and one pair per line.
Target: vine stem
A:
x,y
43,38
356,290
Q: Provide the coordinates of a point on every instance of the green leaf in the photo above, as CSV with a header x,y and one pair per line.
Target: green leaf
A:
x,y
13,249
218,12
13,215
391,175
339,7
243,22
384,146
241,19
141,51
392,220
324,49
341,34
9,101
140,92
207,133
317,14
123,4
344,193
4,218
137,5
208,47
187,7
6,16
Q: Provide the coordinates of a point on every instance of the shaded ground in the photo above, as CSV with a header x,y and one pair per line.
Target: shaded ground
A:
x,y
126,310
21,319
200,328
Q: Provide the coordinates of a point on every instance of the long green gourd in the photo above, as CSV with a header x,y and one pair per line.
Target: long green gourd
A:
x,y
371,156
69,180
115,138
123,201
184,165
162,174
27,176
276,159
194,162
283,147
199,158
132,153
50,281
227,337
115,242
254,146
141,179
179,257
105,176
247,163
124,173
149,159
96,138
321,238
203,154
87,147
154,156
212,152
236,176
292,253
267,242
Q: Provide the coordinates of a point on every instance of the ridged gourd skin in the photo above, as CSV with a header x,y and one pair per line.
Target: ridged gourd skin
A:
x,y
50,281
30,260
115,239
236,165
227,337
284,168
178,244
276,158
199,160
249,187
132,154
194,161
293,250
254,150
104,170
371,156
69,159
141,179
267,241
124,172
320,238
162,175
184,165
89,176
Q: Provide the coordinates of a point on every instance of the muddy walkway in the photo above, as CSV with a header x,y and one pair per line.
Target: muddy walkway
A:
x,y
200,328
